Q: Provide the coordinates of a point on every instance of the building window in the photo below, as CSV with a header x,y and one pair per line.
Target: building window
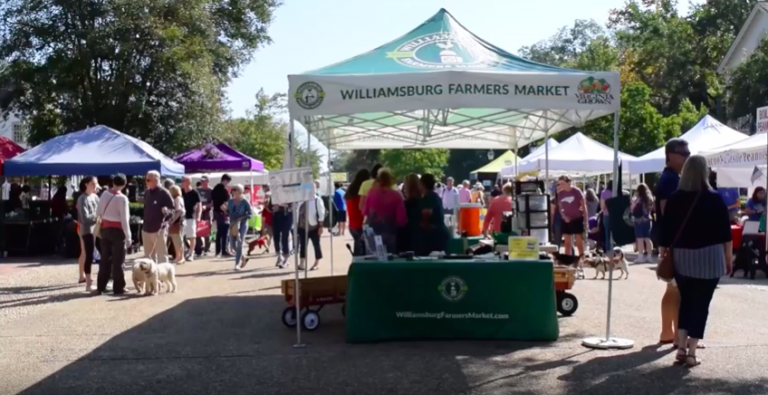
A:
x,y
19,135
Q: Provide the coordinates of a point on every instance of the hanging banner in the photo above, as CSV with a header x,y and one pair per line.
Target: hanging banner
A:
x,y
339,177
761,124
292,185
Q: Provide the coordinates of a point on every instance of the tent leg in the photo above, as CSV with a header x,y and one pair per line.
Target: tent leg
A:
x,y
330,201
306,214
608,342
297,284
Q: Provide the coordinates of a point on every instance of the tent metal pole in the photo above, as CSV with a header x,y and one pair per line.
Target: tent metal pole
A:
x,y
306,212
294,214
609,342
331,203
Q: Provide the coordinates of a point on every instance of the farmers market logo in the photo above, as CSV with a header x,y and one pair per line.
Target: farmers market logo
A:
x,y
453,289
441,51
310,95
594,91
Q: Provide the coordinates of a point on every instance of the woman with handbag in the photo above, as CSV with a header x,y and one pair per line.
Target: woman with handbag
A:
x,y
177,224
696,235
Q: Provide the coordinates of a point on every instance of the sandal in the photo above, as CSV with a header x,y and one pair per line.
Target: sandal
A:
x,y
692,361
314,267
681,357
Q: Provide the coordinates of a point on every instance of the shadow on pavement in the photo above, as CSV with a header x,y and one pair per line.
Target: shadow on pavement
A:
x,y
238,345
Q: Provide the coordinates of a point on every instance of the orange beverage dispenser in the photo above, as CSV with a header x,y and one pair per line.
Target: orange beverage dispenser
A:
x,y
469,219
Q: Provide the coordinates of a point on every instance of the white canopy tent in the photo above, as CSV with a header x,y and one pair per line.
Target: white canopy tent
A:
x,y
706,135
578,155
440,86
238,177
741,164
511,171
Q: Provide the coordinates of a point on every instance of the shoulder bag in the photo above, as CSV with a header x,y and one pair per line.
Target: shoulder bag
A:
x,y
665,270
97,227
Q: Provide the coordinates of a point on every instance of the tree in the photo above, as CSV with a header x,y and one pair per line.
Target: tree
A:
x,y
566,45
748,85
420,161
153,69
263,134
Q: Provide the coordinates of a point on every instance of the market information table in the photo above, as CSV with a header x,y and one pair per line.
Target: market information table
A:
x,y
451,299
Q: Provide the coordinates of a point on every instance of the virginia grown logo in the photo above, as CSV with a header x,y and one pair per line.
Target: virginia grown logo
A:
x,y
594,91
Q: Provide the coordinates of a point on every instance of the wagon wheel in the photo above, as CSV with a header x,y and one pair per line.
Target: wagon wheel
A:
x,y
310,320
289,317
567,304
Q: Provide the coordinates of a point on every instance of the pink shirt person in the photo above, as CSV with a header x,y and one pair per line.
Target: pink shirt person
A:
x,y
465,195
499,205
385,204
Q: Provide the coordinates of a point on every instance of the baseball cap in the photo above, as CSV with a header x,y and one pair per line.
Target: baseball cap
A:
x,y
204,178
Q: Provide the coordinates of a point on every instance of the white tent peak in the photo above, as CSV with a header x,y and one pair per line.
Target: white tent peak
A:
x,y
577,155
706,135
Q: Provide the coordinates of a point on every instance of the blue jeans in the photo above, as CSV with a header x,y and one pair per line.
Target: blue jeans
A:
x,y
222,233
282,222
237,244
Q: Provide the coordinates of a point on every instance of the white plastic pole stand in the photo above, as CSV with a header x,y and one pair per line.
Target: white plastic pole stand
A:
x,y
297,284
608,342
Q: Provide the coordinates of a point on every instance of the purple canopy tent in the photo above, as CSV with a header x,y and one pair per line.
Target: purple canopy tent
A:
x,y
217,157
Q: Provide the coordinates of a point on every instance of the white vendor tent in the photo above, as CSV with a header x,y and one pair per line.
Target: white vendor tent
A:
x,y
740,164
510,171
578,155
441,86
706,135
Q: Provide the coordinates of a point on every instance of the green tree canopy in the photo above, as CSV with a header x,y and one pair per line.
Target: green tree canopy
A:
x,y
748,85
153,69
420,161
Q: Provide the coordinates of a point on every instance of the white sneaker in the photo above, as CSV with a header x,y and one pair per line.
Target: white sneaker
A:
x,y
109,286
640,259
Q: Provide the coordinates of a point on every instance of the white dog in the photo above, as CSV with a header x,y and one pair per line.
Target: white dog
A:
x,y
142,269
166,276
603,265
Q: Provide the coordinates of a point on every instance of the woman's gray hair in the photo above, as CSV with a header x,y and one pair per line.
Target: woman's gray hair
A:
x,y
695,175
239,188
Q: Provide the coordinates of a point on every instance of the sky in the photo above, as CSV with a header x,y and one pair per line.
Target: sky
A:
x,y
310,34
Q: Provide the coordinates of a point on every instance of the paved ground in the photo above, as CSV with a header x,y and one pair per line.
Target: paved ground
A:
x,y
221,334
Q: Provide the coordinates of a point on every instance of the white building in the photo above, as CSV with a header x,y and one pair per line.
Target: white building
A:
x,y
749,38
13,129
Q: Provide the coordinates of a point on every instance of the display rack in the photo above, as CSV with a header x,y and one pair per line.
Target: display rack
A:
x,y
532,208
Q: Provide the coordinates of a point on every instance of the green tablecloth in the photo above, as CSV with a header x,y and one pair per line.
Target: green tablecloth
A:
x,y
451,300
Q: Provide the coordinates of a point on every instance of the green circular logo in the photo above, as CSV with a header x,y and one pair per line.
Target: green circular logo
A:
x,y
442,51
310,95
453,289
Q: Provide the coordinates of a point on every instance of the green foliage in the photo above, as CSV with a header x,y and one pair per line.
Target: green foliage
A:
x,y
420,161
748,89
263,134
151,68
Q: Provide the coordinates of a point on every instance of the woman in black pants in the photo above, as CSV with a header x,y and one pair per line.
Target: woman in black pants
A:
x,y
87,204
115,236
310,226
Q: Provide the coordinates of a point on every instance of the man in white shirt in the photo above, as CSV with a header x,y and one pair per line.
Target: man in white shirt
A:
x,y
450,196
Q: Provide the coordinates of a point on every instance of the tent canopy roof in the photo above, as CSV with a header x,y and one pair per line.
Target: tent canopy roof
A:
x,y
96,150
505,159
578,155
440,86
217,157
706,135
748,152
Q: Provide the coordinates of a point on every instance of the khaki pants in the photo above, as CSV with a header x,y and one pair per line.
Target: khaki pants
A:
x,y
154,245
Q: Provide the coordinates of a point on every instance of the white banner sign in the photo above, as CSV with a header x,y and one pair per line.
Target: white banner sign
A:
x,y
762,120
752,157
292,185
356,94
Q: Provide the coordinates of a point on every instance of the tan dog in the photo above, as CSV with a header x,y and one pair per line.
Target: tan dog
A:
x,y
142,269
602,265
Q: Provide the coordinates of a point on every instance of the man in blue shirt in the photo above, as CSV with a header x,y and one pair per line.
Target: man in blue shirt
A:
x,y
676,152
341,208
730,197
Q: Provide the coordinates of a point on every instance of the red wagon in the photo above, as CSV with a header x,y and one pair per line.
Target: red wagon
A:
x,y
565,277
316,292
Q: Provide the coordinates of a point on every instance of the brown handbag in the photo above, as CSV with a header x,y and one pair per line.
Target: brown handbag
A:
x,y
665,270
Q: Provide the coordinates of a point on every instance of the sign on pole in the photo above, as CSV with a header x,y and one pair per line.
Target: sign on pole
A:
x,y
762,120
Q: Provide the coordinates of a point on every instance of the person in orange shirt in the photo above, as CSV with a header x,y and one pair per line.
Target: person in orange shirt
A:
x,y
499,205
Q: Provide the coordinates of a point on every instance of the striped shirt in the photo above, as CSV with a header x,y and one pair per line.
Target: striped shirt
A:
x,y
703,263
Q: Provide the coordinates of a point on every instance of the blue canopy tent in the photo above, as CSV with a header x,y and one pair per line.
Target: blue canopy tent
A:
x,y
96,150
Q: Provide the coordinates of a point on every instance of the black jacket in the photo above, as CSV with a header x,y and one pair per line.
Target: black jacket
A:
x,y
219,196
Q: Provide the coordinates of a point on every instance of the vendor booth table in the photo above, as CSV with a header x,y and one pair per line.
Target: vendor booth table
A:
x,y
451,299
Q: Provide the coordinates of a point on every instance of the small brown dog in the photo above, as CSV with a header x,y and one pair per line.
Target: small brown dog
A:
x,y
602,264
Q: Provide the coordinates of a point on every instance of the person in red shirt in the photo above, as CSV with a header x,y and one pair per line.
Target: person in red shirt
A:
x,y
496,209
355,223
